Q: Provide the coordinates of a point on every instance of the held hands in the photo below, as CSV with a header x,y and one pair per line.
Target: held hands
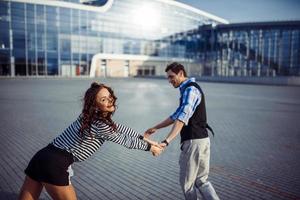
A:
x,y
156,150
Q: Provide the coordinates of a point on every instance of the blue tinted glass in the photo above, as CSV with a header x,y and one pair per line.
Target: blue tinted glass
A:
x,y
41,56
52,41
65,45
4,25
18,25
40,9
65,56
40,41
65,29
19,54
31,44
65,18
40,28
30,21
3,9
4,63
18,39
30,14
18,17
51,24
4,36
50,10
52,66
15,5
30,7
65,11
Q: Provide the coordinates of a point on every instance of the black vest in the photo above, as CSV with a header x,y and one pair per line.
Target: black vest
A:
x,y
196,128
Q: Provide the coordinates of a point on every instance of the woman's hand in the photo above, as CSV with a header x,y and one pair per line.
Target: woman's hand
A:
x,y
156,150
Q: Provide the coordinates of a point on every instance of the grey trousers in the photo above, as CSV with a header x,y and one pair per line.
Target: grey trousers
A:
x,y
194,169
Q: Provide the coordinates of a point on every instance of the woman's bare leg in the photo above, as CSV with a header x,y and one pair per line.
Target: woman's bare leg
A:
x,y
30,190
60,192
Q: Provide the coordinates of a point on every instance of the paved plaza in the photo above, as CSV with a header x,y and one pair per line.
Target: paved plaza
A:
x,y
255,153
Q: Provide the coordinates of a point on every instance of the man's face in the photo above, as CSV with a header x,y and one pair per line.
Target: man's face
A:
x,y
174,79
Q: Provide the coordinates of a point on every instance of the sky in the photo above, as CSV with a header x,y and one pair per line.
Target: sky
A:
x,y
236,11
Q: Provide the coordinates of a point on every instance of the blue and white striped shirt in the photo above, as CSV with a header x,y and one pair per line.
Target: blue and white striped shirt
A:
x,y
191,98
82,148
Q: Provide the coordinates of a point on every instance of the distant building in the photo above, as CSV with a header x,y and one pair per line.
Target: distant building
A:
x,y
123,38
248,49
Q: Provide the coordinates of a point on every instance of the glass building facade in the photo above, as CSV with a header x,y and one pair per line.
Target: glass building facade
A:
x,y
46,37
138,37
248,49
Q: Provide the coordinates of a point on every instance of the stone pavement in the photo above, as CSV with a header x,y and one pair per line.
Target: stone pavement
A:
x,y
255,153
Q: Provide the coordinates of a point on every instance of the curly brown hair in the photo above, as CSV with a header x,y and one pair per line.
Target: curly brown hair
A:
x,y
91,112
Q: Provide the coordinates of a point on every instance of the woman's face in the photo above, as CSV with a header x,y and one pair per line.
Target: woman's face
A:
x,y
105,101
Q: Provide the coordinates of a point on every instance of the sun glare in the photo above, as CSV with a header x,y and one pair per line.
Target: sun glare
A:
x,y
147,17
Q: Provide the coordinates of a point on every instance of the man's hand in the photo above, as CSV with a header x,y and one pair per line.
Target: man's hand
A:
x,y
162,145
149,132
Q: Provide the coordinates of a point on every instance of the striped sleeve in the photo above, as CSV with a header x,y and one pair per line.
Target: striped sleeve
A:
x,y
127,140
126,130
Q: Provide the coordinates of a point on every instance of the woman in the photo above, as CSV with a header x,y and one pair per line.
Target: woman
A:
x,y
51,166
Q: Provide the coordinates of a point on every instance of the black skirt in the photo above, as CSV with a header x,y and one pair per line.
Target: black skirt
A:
x,y
51,165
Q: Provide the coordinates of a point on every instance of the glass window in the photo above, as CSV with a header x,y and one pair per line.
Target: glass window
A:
x,y
75,43
31,60
65,27
51,12
30,8
52,64
19,40
51,41
66,56
41,41
40,14
15,5
75,21
4,35
20,62
83,22
18,26
41,63
4,16
4,56
18,19
31,40
65,20
65,45
4,62
30,13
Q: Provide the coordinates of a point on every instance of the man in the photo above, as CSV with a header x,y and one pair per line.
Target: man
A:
x,y
190,120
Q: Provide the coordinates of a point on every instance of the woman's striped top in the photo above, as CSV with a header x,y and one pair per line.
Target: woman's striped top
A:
x,y
83,147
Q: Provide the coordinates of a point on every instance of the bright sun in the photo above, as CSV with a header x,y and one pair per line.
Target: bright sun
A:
x,y
147,17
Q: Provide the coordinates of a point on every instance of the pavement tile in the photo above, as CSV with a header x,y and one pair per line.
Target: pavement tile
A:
x,y
254,155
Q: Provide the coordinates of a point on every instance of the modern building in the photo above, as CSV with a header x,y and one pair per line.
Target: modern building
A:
x,y
102,38
249,49
138,37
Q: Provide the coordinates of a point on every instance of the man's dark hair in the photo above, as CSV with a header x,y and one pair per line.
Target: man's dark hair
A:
x,y
176,67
